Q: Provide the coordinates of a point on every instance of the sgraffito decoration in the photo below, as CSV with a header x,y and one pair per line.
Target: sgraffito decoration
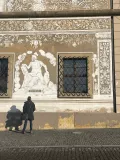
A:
x,y
104,65
36,41
42,5
74,75
95,73
63,24
34,81
72,32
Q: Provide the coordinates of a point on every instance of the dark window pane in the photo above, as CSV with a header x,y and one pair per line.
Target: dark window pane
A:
x,y
69,88
68,71
68,62
68,80
81,63
81,72
81,89
75,75
3,75
81,80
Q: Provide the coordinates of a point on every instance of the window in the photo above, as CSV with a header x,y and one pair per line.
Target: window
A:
x,y
74,75
3,75
6,72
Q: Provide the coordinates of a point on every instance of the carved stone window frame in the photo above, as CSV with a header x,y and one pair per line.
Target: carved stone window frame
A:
x,y
60,92
10,57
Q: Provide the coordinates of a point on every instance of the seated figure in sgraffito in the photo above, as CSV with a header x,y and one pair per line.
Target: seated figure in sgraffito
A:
x,y
35,79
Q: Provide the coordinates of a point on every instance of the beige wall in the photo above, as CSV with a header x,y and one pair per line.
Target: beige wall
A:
x,y
116,4
117,53
68,120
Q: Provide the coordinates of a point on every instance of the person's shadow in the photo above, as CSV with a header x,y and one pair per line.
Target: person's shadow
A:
x,y
13,119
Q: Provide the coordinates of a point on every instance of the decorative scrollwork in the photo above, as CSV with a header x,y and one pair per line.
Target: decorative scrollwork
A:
x,y
36,41
41,5
96,73
104,67
55,24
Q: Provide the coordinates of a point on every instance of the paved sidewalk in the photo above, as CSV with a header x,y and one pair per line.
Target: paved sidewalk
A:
x,y
61,138
83,144
61,154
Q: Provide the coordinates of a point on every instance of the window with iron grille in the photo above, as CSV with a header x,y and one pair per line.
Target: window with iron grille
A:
x,y
3,75
6,74
74,75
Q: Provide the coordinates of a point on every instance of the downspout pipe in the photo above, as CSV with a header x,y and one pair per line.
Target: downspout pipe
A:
x,y
113,61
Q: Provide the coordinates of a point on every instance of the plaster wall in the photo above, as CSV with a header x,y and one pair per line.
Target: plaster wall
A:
x,y
60,120
117,53
73,35
44,38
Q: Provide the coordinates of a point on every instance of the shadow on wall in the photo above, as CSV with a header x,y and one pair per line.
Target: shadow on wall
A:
x,y
13,118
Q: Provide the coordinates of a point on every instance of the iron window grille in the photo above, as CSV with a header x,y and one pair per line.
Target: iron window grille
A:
x,y
75,75
6,72
3,75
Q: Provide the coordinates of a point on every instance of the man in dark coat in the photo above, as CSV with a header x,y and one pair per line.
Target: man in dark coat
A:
x,y
28,109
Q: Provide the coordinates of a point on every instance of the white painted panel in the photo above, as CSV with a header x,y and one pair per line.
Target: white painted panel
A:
x,y
2,5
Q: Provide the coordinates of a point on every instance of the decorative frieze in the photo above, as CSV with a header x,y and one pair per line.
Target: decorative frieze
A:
x,y
42,5
38,40
56,24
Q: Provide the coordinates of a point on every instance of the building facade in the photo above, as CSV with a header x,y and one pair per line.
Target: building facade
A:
x,y
64,64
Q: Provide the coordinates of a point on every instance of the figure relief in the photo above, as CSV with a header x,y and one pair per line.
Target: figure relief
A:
x,y
35,81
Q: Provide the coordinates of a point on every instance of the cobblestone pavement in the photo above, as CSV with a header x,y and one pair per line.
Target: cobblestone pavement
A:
x,y
60,153
83,144
61,137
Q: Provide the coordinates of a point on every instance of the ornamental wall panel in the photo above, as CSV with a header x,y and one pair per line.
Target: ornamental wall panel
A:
x,y
43,5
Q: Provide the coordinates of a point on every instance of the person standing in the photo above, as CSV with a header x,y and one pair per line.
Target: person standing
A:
x,y
28,112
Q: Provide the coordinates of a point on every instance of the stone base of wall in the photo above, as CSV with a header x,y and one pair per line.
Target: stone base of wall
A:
x,y
62,120
102,104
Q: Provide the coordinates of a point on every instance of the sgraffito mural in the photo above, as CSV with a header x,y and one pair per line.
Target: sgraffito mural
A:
x,y
36,44
34,81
